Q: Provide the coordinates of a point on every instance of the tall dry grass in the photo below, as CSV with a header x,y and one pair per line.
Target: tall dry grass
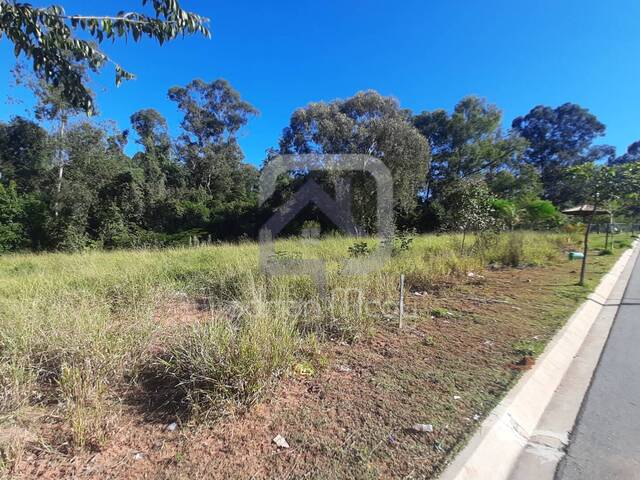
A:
x,y
82,331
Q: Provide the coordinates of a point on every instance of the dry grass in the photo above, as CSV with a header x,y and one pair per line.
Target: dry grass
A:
x,y
83,334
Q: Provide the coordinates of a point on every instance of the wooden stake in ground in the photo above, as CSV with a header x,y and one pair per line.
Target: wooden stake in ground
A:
x,y
402,300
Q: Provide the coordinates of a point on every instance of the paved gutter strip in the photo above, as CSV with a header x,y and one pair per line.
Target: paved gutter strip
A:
x,y
513,433
604,441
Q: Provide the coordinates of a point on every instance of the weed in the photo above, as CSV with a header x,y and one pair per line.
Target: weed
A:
x,y
441,313
429,341
359,249
529,348
514,252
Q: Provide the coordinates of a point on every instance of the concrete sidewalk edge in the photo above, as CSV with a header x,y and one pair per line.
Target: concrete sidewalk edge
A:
x,y
495,448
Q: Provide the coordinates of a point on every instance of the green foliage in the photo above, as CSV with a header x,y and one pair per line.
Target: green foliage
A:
x,y
12,231
467,142
367,123
48,37
559,139
79,190
529,348
402,242
541,214
468,206
359,249
505,212
441,313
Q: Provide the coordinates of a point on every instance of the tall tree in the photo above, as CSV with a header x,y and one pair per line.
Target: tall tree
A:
x,y
367,123
560,138
95,159
53,106
48,37
467,142
213,114
632,155
24,153
155,159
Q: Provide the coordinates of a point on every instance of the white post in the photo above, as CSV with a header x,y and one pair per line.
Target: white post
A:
x,y
402,300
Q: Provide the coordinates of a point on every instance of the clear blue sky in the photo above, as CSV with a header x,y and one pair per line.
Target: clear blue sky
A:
x,y
282,55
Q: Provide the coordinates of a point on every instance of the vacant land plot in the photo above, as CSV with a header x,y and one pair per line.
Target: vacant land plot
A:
x,y
186,363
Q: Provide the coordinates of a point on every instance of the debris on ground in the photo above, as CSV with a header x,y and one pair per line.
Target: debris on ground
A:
x,y
172,426
280,441
525,363
422,427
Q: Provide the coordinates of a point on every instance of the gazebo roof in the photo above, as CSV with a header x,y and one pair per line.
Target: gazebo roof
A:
x,y
585,210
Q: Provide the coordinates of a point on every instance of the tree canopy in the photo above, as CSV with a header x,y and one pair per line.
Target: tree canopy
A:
x,y
559,138
367,123
48,37
453,170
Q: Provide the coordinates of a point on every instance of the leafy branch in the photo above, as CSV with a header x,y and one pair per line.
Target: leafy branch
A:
x,y
47,37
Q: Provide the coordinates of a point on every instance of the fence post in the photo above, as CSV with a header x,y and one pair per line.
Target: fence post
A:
x,y
402,300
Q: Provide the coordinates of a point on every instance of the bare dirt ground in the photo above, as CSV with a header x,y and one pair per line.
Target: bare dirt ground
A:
x,y
351,419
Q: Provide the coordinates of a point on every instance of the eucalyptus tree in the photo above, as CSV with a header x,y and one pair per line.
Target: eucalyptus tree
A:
x,y
214,113
558,139
467,142
632,155
52,106
156,158
367,123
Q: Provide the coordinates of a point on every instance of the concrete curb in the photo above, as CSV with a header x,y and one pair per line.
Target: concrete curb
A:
x,y
496,446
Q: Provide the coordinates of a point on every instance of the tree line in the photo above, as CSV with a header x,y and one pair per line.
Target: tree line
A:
x,y
66,182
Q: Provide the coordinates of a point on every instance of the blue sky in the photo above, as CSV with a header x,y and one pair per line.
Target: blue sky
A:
x,y
282,55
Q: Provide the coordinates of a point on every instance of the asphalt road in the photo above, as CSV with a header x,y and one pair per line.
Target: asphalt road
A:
x,y
605,443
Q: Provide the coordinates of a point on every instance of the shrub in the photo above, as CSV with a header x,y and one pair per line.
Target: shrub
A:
x,y
505,212
359,249
542,214
402,242
12,234
529,348
514,253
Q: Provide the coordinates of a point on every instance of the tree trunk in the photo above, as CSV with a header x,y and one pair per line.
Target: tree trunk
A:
x,y
583,268
60,154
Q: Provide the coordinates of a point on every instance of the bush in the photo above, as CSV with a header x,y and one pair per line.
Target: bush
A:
x,y
514,253
542,214
505,212
359,249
